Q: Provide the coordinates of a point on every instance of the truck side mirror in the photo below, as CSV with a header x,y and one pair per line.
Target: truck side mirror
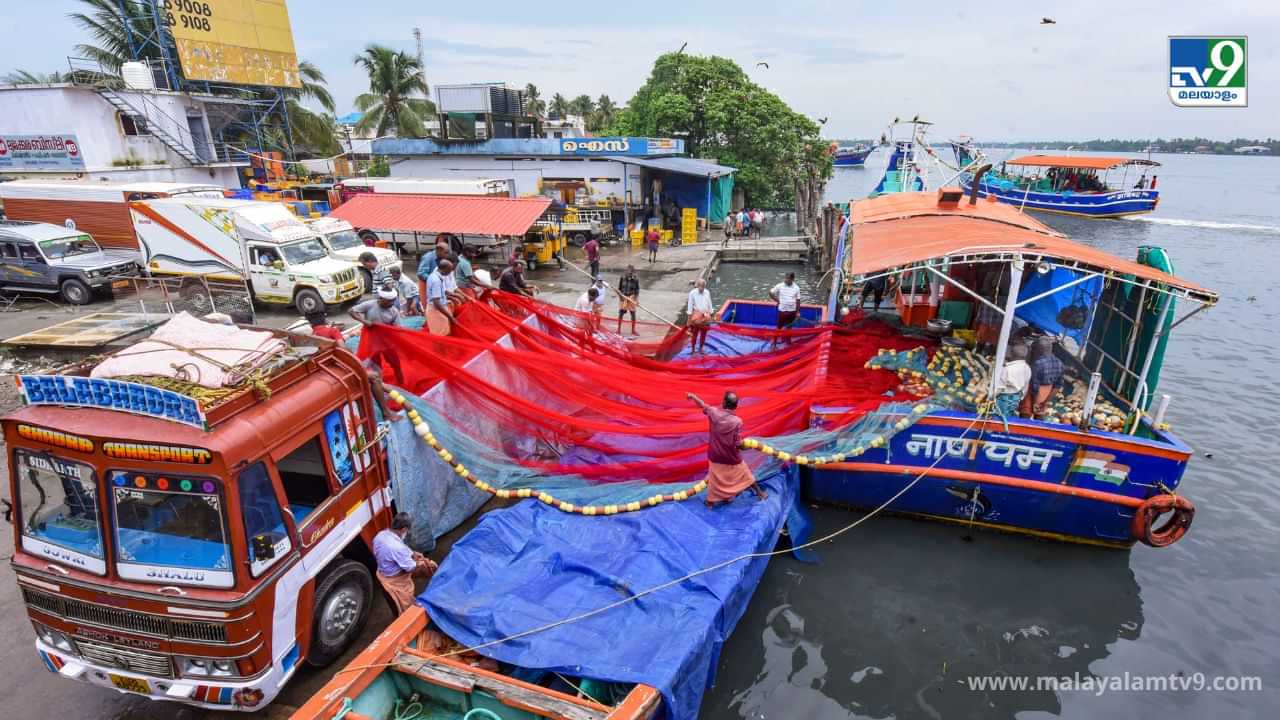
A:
x,y
278,264
263,548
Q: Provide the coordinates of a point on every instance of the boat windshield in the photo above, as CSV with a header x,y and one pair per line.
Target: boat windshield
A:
x,y
170,530
65,247
303,252
58,510
345,240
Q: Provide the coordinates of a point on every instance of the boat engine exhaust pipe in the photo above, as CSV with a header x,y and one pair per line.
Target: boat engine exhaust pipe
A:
x,y
977,178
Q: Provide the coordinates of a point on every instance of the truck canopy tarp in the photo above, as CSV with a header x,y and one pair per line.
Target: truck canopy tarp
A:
x,y
530,565
459,214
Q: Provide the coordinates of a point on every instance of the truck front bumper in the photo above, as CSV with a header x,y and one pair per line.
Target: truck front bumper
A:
x,y
243,695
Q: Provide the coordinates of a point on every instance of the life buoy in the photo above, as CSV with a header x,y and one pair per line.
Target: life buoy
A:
x,y
1171,530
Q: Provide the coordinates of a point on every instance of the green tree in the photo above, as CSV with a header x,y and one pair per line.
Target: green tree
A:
x,y
533,102
606,112
111,24
582,105
721,114
314,133
27,77
559,106
390,105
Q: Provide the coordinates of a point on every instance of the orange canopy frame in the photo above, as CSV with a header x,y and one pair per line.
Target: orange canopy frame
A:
x,y
901,230
1079,162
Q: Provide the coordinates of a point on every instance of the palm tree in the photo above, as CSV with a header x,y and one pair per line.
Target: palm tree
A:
x,y
313,86
27,77
387,107
559,106
605,113
582,105
533,102
111,23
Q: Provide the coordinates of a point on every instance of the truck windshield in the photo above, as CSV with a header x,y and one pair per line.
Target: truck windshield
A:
x,y
304,252
59,248
170,530
58,510
345,240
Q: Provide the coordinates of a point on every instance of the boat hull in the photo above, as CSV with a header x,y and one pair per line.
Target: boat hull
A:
x,y
1096,205
1050,481
851,159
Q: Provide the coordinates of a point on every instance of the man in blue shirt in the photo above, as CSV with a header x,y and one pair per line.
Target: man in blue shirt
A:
x,y
398,565
440,286
429,261
1046,376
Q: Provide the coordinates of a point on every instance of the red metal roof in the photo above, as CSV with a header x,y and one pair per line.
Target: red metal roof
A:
x,y
902,229
470,214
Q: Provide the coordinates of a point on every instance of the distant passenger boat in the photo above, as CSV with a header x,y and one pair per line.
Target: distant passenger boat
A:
x,y
1081,185
851,156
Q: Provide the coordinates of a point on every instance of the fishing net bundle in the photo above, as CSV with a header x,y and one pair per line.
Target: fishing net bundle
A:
x,y
536,396
951,376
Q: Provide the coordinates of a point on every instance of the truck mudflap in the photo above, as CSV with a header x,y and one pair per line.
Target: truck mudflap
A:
x,y
244,695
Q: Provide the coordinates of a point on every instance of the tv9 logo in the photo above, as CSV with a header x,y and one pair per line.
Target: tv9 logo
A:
x,y
1208,71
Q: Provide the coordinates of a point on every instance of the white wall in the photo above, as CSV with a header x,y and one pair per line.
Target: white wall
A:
x,y
603,176
107,151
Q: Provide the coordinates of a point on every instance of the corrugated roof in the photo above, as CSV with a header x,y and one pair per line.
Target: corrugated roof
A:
x,y
1078,161
682,165
920,230
472,214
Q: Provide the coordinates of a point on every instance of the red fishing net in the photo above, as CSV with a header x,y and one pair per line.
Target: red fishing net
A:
x,y
542,386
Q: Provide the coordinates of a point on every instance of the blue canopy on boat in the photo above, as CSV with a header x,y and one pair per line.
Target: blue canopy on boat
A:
x,y
531,565
1049,312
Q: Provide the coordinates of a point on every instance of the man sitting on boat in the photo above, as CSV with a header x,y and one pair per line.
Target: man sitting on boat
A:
x,y
1046,376
398,565
728,474
1011,386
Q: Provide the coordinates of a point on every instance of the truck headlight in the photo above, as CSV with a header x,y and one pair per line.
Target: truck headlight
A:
x,y
326,278
205,667
55,639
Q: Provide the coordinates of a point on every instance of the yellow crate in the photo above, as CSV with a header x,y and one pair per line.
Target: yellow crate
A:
x,y
637,238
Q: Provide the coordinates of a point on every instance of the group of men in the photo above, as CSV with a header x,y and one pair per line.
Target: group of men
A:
x,y
744,223
592,300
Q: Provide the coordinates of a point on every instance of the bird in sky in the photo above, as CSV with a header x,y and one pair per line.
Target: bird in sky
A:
x,y
764,64
1048,21
822,121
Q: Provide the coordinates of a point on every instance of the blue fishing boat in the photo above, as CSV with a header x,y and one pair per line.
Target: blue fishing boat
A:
x,y
1095,463
851,156
1085,185
907,167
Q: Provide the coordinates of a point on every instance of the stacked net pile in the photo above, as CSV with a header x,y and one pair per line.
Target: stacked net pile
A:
x,y
535,396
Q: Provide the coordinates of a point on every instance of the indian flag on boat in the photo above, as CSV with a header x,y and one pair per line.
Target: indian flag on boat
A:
x,y
1102,466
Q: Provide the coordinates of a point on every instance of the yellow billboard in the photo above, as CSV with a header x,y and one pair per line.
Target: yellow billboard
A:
x,y
241,42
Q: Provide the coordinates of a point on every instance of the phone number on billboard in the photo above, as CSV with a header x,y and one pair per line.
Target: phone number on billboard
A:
x,y
192,15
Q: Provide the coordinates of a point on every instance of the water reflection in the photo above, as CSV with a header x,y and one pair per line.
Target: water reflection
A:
x,y
900,613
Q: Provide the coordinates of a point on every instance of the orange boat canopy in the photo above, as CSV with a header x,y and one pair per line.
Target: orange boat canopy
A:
x,y
902,230
1081,162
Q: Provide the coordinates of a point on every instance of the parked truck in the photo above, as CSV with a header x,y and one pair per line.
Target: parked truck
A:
x,y
283,260
191,549
345,244
100,209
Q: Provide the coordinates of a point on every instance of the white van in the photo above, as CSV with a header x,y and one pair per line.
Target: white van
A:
x,y
285,261
344,244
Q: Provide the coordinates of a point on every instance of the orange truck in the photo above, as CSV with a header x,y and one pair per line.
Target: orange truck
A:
x,y
191,547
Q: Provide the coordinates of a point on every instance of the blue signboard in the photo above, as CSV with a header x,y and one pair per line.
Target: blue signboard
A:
x,y
136,398
40,152
621,146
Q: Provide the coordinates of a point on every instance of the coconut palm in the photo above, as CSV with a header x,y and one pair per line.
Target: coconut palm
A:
x,y
559,106
533,102
394,76
27,77
111,24
582,105
605,113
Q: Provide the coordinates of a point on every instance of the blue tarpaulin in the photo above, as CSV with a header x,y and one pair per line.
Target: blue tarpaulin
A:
x,y
531,565
1047,313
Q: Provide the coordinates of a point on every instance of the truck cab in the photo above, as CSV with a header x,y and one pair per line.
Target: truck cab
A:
x,y
38,257
194,546
344,244
284,261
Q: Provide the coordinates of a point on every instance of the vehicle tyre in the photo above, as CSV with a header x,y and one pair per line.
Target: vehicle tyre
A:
x,y
369,237
343,595
308,301
579,239
366,277
76,292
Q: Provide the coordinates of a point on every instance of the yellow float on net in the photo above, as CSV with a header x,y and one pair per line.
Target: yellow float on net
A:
x,y
546,498
589,510
784,457
633,506
901,425
802,460
524,492
838,457
566,507
504,494
654,500
702,485
877,441
681,495
610,509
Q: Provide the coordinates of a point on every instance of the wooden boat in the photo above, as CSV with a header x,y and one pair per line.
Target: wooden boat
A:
x,y
393,673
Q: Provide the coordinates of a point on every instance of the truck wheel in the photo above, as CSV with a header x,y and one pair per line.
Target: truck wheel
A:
x,y
308,301
76,292
343,597
195,298
366,277
579,239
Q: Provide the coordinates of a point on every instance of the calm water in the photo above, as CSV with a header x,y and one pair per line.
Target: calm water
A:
x,y
900,612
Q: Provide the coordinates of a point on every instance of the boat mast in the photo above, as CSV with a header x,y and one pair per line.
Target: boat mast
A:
x,y
1006,323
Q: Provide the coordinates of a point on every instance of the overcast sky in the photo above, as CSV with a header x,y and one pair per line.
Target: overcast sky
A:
x,y
987,69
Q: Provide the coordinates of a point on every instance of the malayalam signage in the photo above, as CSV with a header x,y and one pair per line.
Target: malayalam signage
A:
x,y
620,146
40,152
241,42
104,394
